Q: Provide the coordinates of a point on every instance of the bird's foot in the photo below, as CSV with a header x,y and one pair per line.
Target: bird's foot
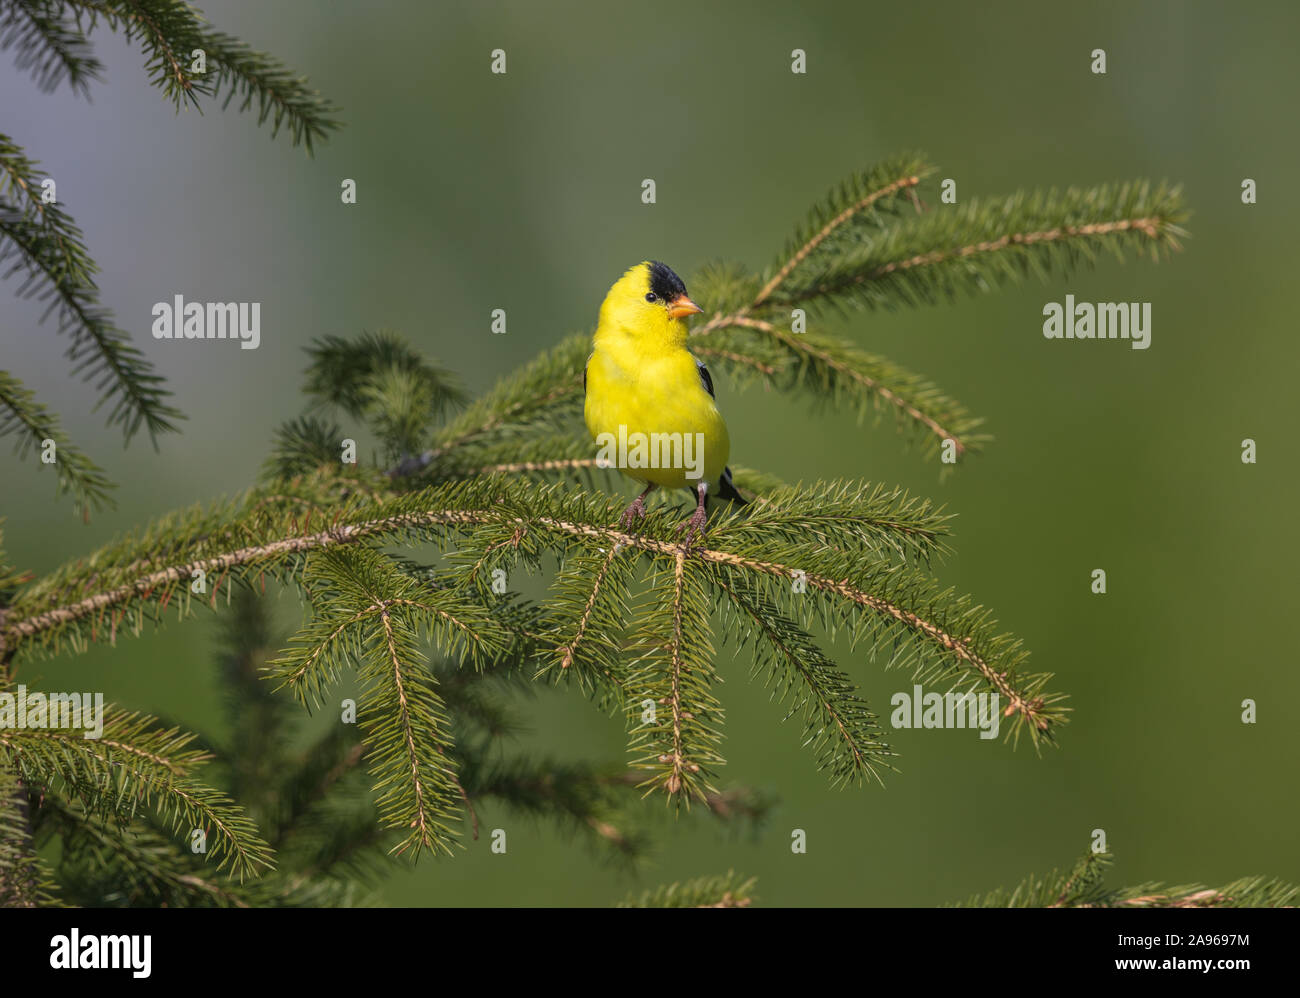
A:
x,y
694,527
635,511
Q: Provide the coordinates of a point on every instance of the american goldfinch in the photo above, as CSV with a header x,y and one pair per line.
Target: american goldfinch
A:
x,y
650,404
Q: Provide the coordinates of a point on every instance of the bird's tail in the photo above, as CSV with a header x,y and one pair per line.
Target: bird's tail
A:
x,y
727,489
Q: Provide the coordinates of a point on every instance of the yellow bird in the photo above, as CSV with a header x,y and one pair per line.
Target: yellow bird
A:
x,y
650,404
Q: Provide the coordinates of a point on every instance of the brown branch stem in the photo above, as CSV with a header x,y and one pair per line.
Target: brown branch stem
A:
x,y
353,533
1149,226
902,183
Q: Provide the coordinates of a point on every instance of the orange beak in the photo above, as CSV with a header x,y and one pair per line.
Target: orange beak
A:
x,y
681,306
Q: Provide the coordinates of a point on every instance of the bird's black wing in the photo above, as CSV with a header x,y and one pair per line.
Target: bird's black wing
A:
x,y
704,378
584,375
727,489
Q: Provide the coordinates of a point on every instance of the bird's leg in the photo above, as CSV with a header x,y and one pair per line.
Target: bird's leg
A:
x,y
695,525
636,510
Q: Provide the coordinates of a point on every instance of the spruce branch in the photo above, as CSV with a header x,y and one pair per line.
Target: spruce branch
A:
x,y
863,247
137,764
354,592
44,245
380,379
32,424
834,371
837,722
20,184
170,31
403,718
40,242
47,249
302,446
730,890
675,675
852,544
104,863
1083,886
589,601
533,399
987,242
370,612
865,202
737,360
544,456
577,796
255,78
25,882
323,826
631,618
49,44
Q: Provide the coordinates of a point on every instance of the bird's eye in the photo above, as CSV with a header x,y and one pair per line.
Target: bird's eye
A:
x,y
651,297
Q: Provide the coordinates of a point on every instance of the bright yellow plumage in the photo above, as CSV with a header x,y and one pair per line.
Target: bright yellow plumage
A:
x,y
644,387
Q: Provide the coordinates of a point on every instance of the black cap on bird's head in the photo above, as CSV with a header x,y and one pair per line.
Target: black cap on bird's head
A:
x,y
667,287
664,281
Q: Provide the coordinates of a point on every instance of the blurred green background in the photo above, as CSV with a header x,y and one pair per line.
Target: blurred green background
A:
x,y
523,192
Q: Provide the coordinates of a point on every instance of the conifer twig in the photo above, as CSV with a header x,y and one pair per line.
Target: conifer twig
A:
x,y
1030,708
901,184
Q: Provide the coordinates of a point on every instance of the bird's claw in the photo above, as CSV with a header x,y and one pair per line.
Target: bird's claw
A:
x,y
634,512
694,527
